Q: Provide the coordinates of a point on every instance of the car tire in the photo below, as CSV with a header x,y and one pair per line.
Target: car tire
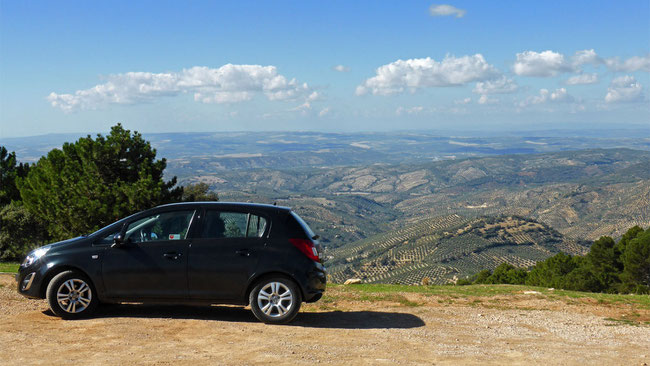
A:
x,y
71,295
275,300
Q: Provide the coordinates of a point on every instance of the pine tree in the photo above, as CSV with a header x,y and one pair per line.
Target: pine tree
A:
x,y
626,238
93,182
551,272
604,262
636,261
9,171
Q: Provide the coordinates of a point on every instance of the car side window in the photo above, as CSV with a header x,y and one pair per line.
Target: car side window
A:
x,y
163,226
256,226
108,239
220,224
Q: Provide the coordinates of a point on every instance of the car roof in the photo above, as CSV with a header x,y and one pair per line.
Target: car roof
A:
x,y
227,205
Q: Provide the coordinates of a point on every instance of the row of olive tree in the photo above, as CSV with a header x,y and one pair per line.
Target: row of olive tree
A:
x,y
622,267
82,187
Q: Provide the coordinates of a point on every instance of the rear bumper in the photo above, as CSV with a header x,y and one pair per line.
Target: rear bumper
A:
x,y
316,283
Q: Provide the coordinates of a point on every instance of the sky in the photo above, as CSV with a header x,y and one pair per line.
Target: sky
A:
x,y
181,66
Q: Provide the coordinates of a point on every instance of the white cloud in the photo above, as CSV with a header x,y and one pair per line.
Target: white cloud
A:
x,y
306,106
446,10
303,108
419,73
543,64
324,112
411,110
222,97
484,99
549,63
561,96
624,89
463,101
226,84
501,85
314,96
632,64
341,68
585,57
582,79
545,96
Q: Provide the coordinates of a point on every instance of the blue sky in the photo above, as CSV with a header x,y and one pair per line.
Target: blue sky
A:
x,y
272,65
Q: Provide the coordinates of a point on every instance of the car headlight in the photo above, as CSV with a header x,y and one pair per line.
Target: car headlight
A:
x,y
34,255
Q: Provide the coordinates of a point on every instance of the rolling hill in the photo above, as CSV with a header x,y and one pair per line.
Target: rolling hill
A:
x,y
583,194
446,248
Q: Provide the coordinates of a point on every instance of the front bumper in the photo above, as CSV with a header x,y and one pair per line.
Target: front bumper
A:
x,y
28,282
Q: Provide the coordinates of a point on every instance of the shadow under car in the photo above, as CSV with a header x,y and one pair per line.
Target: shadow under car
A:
x,y
336,319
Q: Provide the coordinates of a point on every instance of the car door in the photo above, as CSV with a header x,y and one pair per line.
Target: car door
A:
x,y
224,254
152,262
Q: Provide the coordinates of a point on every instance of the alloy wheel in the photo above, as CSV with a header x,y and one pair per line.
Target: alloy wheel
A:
x,y
74,296
275,299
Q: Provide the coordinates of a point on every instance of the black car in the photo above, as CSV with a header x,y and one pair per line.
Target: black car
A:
x,y
199,252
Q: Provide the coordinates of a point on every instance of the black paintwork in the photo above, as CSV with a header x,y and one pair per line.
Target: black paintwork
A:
x,y
200,270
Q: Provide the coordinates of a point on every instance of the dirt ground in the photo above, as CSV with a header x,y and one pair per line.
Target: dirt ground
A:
x,y
517,330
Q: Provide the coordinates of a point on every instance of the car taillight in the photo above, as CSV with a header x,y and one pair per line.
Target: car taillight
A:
x,y
307,248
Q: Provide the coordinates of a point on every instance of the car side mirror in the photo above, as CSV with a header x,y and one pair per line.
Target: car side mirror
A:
x,y
118,240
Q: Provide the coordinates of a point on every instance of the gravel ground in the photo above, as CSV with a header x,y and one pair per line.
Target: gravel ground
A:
x,y
518,330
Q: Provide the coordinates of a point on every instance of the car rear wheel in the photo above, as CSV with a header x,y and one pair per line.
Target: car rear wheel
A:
x,y
275,300
71,295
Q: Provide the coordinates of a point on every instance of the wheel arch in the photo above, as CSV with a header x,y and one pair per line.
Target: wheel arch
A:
x,y
259,278
55,271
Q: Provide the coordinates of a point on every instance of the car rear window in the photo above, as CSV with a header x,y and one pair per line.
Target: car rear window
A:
x,y
223,224
297,226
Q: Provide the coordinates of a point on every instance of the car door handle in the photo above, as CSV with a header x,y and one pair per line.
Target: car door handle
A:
x,y
172,255
243,252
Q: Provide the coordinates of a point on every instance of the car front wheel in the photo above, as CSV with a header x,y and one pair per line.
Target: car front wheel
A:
x,y
71,295
275,300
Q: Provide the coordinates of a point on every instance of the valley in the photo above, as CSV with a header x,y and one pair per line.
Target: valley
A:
x,y
389,222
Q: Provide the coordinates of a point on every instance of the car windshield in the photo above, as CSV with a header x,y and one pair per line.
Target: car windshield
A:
x,y
113,225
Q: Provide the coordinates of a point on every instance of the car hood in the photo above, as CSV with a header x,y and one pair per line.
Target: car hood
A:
x,y
64,243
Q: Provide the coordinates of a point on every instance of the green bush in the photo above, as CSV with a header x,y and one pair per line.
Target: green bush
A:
x,y
482,277
551,272
20,232
464,282
622,267
505,273
198,192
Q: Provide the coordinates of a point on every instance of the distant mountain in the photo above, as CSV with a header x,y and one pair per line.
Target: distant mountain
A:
x,y
447,248
583,194
219,151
